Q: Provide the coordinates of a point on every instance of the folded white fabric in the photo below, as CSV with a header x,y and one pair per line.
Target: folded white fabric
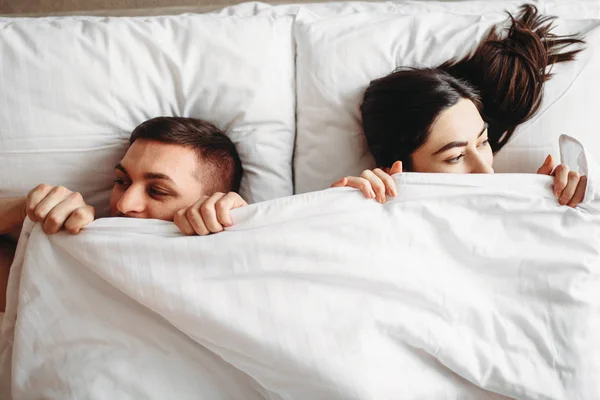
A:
x,y
576,9
464,286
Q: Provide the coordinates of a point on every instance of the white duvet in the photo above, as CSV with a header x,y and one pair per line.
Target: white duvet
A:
x,y
462,287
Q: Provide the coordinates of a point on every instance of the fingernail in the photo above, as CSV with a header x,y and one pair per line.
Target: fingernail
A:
x,y
394,192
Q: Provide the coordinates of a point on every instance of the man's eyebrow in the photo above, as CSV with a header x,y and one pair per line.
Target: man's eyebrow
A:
x,y
157,175
452,145
148,175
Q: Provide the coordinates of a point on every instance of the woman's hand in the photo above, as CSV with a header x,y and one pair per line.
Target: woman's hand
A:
x,y
374,184
208,215
569,186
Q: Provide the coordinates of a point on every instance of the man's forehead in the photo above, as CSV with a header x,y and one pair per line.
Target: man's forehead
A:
x,y
145,156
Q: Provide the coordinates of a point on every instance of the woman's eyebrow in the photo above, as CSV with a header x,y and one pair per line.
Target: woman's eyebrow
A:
x,y
485,126
449,146
121,168
452,145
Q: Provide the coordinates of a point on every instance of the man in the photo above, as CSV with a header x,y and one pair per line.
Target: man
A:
x,y
176,169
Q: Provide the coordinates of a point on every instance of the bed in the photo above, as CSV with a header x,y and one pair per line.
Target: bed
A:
x,y
475,287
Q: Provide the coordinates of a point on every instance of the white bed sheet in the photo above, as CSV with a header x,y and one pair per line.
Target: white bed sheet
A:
x,y
464,286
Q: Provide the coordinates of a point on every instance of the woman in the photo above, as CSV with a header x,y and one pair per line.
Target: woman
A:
x,y
454,117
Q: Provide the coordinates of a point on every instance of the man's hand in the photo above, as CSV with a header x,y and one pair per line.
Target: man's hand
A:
x,y
208,215
569,186
56,207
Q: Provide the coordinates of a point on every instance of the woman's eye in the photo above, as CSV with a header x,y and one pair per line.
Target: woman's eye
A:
x,y
485,142
455,159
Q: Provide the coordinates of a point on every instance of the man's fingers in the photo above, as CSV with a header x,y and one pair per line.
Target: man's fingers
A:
x,y
579,192
209,213
227,203
34,197
569,190
79,218
182,222
388,181
54,197
547,166
195,220
561,177
55,219
377,184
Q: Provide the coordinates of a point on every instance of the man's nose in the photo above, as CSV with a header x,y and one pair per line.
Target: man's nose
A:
x,y
132,201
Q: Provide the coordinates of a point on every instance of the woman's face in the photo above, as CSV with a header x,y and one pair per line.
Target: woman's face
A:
x,y
458,143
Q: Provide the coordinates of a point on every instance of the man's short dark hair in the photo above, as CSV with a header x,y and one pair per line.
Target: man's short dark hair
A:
x,y
213,147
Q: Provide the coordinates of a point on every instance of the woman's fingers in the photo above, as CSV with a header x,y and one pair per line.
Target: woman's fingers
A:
x,y
396,168
579,192
376,184
341,183
362,184
388,181
569,190
547,166
561,177
569,186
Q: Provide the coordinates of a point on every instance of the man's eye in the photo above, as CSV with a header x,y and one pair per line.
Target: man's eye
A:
x,y
455,159
119,181
157,193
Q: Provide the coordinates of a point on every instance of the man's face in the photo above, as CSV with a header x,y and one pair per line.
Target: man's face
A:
x,y
155,180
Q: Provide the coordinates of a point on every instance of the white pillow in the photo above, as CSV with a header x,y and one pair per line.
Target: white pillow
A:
x,y
337,57
576,9
73,89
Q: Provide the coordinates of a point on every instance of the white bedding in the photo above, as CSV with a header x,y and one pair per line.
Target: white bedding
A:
x,y
461,286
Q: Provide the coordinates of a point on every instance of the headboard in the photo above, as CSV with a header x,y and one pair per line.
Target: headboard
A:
x,y
33,8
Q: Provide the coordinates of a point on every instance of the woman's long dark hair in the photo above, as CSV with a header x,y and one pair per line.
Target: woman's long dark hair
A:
x,y
504,77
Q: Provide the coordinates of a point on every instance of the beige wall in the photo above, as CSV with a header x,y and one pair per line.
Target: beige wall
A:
x,y
118,7
109,7
123,7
